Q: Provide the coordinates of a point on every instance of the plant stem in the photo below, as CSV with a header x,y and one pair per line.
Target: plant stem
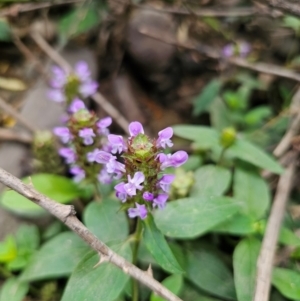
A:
x,y
138,234
220,161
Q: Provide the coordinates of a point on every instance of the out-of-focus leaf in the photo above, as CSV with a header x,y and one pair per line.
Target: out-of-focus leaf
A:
x,y
106,221
57,258
5,32
8,249
158,247
173,283
13,290
207,96
192,163
12,84
105,282
292,22
287,282
252,190
79,20
191,217
211,180
209,273
220,116
249,152
244,265
258,115
58,188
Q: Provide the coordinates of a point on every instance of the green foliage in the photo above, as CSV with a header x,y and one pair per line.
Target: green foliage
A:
x,y
244,265
287,282
104,282
207,96
192,217
5,32
173,283
158,247
207,271
106,221
58,188
13,290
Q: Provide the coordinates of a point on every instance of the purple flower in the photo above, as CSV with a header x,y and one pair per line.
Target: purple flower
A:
x,y
82,71
148,196
87,134
103,125
175,160
68,154
99,156
104,177
160,200
59,78
56,95
76,105
134,183
140,211
135,128
165,182
164,138
88,88
117,143
115,167
228,50
79,173
63,133
120,192
244,49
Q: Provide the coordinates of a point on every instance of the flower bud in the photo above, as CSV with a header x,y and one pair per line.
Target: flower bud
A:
x,y
228,137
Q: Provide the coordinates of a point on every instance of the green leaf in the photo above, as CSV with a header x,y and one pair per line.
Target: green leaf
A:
x,y
8,249
257,115
288,237
173,283
207,137
28,237
209,273
251,189
207,96
158,247
287,282
5,32
58,188
57,258
211,180
244,265
239,224
106,221
79,20
104,282
220,116
249,152
13,290
191,217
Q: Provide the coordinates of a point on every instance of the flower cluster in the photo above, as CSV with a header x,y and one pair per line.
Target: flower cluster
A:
x,y
82,133
241,49
66,87
143,183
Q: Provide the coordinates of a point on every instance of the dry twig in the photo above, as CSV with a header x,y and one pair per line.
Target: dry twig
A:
x,y
11,135
97,97
11,111
66,214
288,6
267,252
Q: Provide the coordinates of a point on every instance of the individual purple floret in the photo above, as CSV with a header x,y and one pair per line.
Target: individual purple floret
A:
x,y
228,50
135,128
175,160
82,71
56,95
139,211
134,183
160,201
59,77
120,192
63,133
68,154
165,182
116,143
244,49
104,177
79,173
88,88
103,125
87,135
164,138
76,105
148,196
